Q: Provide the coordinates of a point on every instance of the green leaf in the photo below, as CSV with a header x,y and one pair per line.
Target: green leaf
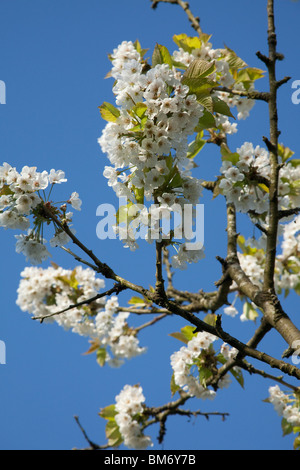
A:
x,y
284,152
237,373
296,445
161,55
199,68
195,146
248,75
210,319
249,312
295,162
139,194
180,336
6,191
113,434
233,60
138,301
188,332
207,121
217,191
122,214
138,47
109,112
286,427
227,155
101,356
206,102
204,375
221,107
109,412
199,86
173,386
73,280
185,335
139,110
187,43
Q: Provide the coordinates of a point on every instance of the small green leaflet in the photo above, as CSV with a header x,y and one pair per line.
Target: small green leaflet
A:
x,y
161,55
249,312
185,334
195,146
284,152
109,412
199,68
101,356
109,112
221,107
187,43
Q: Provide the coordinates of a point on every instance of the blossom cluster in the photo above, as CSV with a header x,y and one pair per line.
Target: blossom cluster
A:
x,y
198,356
147,137
287,265
156,116
43,292
245,177
286,406
224,76
21,195
129,405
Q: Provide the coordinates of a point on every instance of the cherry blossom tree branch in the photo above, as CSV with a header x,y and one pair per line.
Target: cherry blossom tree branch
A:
x,y
287,328
253,95
115,290
267,301
272,145
92,444
195,21
160,414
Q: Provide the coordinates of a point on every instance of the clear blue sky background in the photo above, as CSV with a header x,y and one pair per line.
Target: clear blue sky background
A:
x,y
53,57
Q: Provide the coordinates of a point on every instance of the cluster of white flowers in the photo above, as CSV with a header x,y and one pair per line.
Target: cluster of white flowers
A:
x,y
237,185
190,356
147,136
287,265
223,76
20,195
286,406
43,292
156,116
243,184
128,407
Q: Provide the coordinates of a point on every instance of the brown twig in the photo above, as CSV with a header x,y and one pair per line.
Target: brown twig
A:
x,y
116,289
195,21
92,444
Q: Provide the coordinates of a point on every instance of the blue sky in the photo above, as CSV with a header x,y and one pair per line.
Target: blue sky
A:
x,y
53,59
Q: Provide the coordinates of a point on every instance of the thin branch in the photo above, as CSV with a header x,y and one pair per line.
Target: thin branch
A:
x,y
253,95
195,21
151,322
288,212
252,370
283,324
116,289
92,444
159,286
161,413
272,145
168,266
79,259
